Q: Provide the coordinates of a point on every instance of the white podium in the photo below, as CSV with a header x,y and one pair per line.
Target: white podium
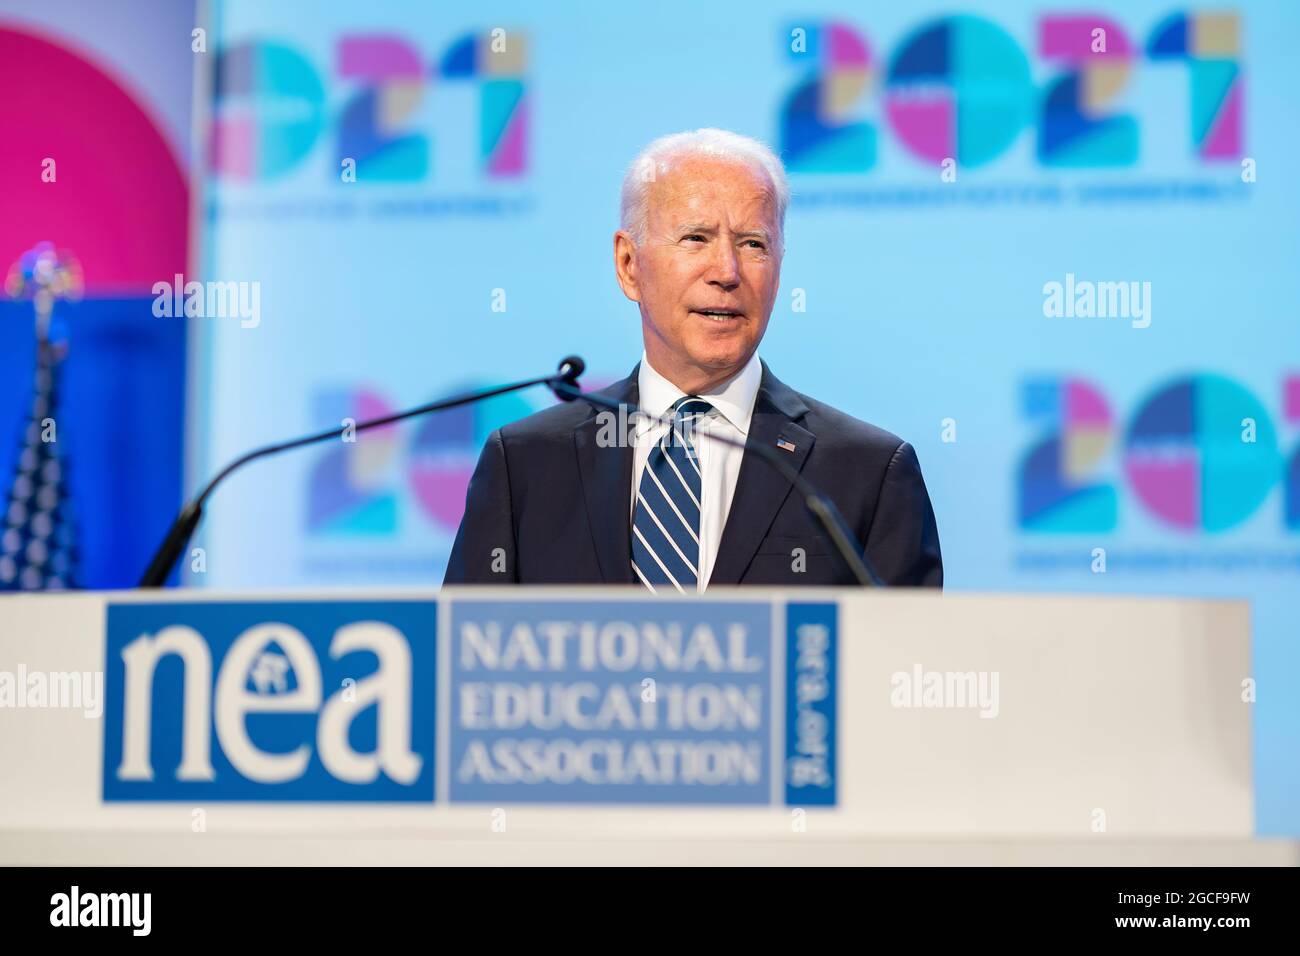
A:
x,y
598,725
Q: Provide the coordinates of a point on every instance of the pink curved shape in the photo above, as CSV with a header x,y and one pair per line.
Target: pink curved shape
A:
x,y
1291,398
120,201
928,126
439,483
846,49
372,405
379,58
1170,488
1085,406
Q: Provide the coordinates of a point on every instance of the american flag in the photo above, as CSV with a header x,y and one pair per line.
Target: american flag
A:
x,y
38,549
38,546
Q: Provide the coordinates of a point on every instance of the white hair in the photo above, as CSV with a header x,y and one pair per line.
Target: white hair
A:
x,y
656,159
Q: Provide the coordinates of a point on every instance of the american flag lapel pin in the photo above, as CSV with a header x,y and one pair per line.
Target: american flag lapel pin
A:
x,y
784,444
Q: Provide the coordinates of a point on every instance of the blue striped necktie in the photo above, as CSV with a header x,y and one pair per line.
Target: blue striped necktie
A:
x,y
666,521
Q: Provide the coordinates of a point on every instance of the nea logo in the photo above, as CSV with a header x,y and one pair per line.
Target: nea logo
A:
x,y
319,701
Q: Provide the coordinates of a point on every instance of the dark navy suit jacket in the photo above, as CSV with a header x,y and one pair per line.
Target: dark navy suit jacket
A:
x,y
549,504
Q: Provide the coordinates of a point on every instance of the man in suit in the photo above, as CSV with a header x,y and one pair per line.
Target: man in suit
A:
x,y
567,497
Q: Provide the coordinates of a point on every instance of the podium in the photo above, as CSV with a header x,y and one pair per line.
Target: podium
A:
x,y
603,725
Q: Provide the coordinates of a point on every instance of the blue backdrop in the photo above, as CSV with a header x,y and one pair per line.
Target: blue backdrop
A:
x,y
425,199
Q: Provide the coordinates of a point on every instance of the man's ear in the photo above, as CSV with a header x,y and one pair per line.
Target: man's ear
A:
x,y
625,265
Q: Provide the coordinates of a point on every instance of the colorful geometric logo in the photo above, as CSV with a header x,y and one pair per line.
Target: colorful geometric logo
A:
x,y
268,109
817,132
1210,44
371,122
446,448
1058,493
1186,460
958,88
1073,130
350,488
1200,454
355,488
504,106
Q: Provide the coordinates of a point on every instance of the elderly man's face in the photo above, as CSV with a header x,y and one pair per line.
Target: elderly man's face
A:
x,y
707,272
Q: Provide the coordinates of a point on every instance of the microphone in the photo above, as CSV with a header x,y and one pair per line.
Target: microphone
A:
x,y
182,530
571,366
822,508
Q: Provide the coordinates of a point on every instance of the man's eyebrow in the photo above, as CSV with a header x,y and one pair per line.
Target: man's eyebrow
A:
x,y
711,227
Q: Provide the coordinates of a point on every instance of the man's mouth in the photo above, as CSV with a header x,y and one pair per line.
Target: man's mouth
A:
x,y
719,315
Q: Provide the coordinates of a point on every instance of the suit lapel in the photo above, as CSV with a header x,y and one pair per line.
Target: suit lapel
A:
x,y
760,488
607,487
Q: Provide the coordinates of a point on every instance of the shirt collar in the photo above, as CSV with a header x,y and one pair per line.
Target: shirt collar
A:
x,y
733,399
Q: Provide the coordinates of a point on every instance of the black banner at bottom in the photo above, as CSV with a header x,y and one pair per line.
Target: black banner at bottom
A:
x,y
337,905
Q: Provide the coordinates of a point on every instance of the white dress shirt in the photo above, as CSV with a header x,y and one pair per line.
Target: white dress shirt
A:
x,y
733,407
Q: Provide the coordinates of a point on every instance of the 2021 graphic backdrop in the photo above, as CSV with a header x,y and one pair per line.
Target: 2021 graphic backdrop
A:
x,y
946,167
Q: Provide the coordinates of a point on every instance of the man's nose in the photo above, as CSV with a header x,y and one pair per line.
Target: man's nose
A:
x,y
724,267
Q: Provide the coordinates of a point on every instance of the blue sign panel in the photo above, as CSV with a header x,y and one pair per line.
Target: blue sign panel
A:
x,y
810,700
615,701
535,701
270,701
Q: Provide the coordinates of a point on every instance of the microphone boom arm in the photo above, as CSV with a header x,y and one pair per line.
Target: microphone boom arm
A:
x,y
183,528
